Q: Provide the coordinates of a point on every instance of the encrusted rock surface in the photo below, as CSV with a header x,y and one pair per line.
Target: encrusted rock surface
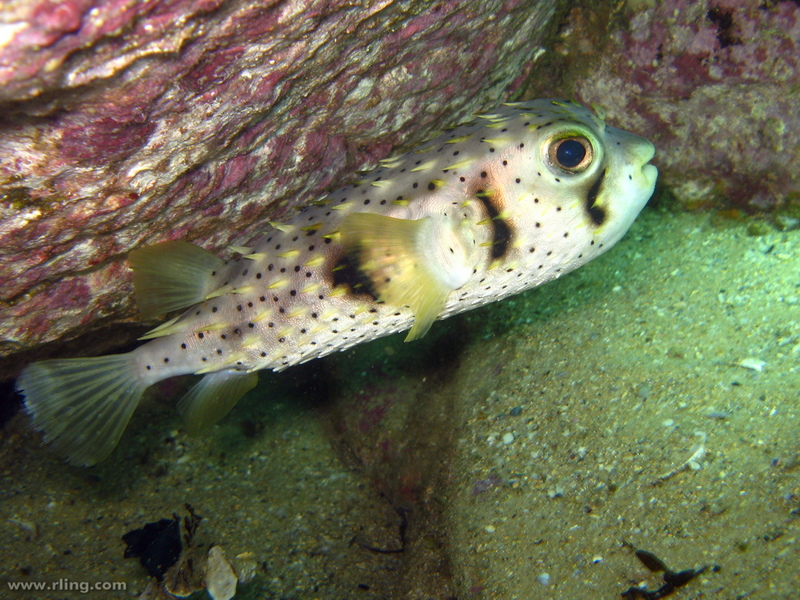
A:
x,y
125,123
712,83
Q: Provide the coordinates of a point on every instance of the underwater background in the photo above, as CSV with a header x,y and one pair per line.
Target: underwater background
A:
x,y
527,449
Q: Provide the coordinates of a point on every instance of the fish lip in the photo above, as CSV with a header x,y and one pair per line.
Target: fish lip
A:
x,y
650,173
648,156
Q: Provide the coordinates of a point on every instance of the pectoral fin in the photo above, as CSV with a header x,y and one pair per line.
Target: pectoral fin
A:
x,y
414,263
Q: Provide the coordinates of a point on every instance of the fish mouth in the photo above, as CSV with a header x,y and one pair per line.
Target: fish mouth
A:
x,y
645,153
648,151
650,173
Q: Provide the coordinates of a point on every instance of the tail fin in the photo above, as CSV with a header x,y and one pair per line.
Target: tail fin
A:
x,y
82,404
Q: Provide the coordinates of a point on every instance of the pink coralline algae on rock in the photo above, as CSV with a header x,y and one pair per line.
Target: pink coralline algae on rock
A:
x,y
713,84
124,123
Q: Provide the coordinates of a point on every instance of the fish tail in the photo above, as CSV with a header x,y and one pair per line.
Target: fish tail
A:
x,y
82,404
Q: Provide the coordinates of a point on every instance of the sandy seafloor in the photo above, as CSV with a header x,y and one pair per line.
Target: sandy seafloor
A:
x,y
559,415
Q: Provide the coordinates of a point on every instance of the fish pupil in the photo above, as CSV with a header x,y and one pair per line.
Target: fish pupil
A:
x,y
570,153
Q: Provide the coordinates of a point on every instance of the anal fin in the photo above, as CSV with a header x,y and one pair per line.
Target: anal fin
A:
x,y
172,275
414,263
213,397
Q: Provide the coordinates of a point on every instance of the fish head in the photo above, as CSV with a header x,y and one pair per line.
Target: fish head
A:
x,y
600,177
628,183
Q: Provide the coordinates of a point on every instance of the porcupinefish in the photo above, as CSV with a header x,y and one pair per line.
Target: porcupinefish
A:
x,y
514,199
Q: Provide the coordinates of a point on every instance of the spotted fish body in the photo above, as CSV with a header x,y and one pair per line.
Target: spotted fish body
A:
x,y
503,204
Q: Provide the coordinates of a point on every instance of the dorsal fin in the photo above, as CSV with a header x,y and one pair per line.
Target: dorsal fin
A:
x,y
172,275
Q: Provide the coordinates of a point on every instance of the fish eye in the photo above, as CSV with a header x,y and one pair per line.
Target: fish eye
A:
x,y
571,154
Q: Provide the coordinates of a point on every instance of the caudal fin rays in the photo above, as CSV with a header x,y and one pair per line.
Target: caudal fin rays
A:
x,y
82,404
